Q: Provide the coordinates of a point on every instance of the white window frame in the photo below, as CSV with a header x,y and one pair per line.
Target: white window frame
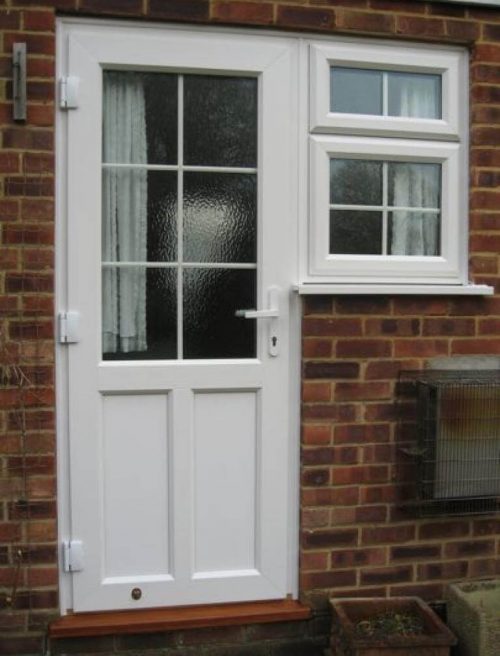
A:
x,y
450,64
443,269
389,138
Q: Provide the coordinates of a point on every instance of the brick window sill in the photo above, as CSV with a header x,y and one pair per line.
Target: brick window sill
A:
x,y
171,619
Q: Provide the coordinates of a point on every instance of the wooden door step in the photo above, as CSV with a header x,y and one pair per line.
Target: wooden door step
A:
x,y
182,617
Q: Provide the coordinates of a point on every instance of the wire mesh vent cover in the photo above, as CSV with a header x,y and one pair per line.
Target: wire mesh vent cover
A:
x,y
457,441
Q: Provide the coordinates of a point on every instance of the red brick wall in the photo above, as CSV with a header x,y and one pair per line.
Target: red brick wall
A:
x,y
28,571
354,540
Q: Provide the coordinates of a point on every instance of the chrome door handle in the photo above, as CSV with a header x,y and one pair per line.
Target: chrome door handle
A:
x,y
257,314
273,305
272,313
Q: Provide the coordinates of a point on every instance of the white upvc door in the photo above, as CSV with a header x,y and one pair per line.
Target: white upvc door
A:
x,y
178,206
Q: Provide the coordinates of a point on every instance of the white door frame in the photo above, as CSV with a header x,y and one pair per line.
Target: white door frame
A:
x,y
61,351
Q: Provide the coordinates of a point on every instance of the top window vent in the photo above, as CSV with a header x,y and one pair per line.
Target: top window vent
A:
x,y
457,447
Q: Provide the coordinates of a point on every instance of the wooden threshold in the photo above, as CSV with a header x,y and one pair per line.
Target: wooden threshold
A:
x,y
171,619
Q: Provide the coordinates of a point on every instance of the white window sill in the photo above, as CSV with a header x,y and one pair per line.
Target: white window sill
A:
x,y
305,289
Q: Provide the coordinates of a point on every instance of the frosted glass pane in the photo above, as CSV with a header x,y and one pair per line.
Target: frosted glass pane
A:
x,y
220,121
211,298
355,233
355,90
139,215
137,299
124,222
220,212
161,117
414,185
128,97
414,94
162,216
414,233
355,182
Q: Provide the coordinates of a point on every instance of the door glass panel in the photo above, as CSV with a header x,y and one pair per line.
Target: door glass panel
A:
x,y
161,219
220,217
162,122
220,121
139,215
162,216
211,328
124,200
139,307
140,114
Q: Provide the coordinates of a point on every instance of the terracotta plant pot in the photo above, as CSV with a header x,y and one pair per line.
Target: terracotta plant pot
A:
x,y
435,639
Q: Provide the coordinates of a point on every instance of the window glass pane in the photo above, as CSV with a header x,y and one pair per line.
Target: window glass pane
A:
x,y
139,313
414,185
355,90
211,298
220,211
355,233
140,118
360,91
414,94
355,182
414,233
220,121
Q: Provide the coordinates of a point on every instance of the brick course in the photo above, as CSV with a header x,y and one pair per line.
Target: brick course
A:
x,y
353,539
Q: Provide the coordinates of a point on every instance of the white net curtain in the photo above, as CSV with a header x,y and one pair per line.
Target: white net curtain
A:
x,y
125,195
416,233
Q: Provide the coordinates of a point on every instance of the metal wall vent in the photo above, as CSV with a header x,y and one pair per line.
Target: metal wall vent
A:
x,y
457,441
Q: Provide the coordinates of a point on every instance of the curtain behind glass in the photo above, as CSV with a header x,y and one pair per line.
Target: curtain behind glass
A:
x,y
415,233
418,97
124,233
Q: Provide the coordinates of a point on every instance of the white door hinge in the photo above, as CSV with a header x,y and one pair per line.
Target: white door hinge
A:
x,y
68,92
68,324
73,555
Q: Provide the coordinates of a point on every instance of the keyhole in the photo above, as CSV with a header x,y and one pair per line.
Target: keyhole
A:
x,y
274,340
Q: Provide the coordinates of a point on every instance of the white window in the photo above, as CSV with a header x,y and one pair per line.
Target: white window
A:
x,y
388,167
